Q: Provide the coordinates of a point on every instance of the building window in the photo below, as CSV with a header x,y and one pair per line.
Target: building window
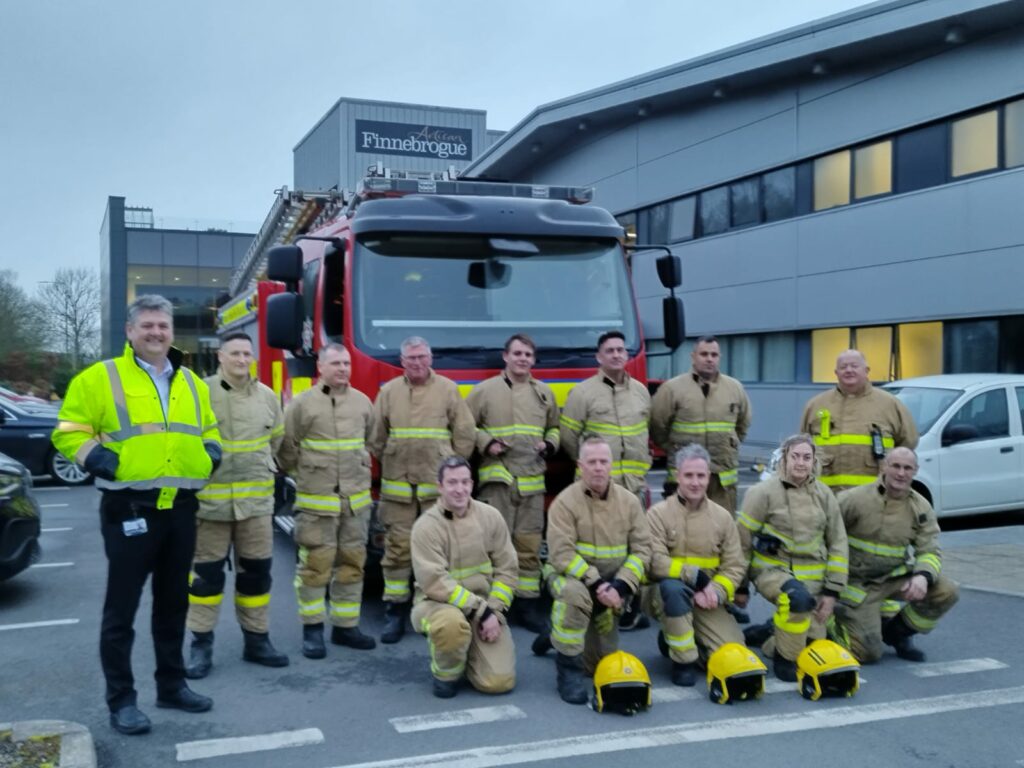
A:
x,y
779,192
628,222
681,219
1011,344
921,158
832,180
742,357
778,357
1013,133
714,211
746,202
872,170
971,347
920,349
876,346
975,145
826,345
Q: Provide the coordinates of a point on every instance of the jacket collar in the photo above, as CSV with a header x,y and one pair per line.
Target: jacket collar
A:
x,y
175,355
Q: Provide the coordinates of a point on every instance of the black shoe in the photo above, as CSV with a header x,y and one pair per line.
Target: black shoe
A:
x,y
541,644
572,686
741,616
756,635
184,699
784,669
259,650
634,617
313,641
353,638
200,658
684,674
445,689
528,613
897,634
662,644
130,721
394,627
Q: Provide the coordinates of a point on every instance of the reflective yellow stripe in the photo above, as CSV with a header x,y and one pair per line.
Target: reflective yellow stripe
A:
x,y
205,600
347,444
559,631
605,553
459,597
577,567
502,592
258,489
551,436
72,426
495,473
245,446
396,588
684,642
917,621
629,467
851,439
624,430
530,484
571,424
782,618
675,569
729,477
831,480
837,564
796,547
702,427
877,548
358,501
727,585
396,489
252,601
635,565
345,610
930,560
419,433
436,669
312,501
463,573
852,595
426,491
891,607
700,562
513,430
529,583
810,572
748,522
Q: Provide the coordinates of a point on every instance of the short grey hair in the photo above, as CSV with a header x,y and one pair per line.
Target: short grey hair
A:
x,y
414,341
692,451
149,302
331,346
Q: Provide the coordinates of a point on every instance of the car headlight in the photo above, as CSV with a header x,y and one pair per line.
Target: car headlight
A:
x,y
11,484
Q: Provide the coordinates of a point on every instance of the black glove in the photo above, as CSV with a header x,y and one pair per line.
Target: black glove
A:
x,y
102,462
701,581
486,614
622,588
766,544
214,452
549,450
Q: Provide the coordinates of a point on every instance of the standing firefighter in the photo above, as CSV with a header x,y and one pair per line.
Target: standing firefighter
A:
x,y
706,407
142,424
698,563
599,546
465,569
235,510
326,429
854,424
517,429
420,419
793,537
894,556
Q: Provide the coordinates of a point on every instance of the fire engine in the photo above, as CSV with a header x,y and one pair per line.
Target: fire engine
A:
x,y
463,263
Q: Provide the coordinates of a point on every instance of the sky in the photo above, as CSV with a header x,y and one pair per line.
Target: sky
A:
x,y
193,107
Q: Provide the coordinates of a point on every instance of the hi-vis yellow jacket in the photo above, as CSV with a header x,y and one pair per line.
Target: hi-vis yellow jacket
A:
x,y
519,415
324,449
251,430
842,425
115,403
415,427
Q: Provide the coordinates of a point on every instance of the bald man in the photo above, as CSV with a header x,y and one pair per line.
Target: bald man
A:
x,y
895,565
854,424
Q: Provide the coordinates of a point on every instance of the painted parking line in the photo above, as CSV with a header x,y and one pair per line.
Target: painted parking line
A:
x,y
55,530
50,489
52,565
35,624
574,747
53,506
457,717
960,667
240,745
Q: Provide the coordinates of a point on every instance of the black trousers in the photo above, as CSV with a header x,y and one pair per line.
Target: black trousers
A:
x,y
165,551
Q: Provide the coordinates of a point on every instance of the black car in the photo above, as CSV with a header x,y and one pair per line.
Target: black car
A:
x,y
25,437
19,519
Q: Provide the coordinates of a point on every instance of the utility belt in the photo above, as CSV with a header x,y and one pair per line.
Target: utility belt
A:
x,y
116,506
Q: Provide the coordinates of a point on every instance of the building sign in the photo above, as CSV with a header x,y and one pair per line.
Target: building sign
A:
x,y
373,137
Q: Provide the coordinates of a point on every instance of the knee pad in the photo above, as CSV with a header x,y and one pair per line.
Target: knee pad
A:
x,y
676,597
800,600
256,566
207,579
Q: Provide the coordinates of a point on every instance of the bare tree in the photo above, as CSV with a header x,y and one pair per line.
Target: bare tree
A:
x,y
72,301
20,317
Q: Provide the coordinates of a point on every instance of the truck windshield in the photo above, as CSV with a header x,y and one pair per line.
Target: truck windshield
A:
x,y
473,292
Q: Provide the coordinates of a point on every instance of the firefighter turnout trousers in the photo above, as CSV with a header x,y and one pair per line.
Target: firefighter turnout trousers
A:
x,y
686,627
524,516
456,647
252,540
397,518
581,624
860,612
332,551
794,616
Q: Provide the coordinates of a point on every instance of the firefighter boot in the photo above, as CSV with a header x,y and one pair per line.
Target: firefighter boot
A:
x,y
755,635
394,625
784,669
897,634
313,641
529,614
353,638
662,644
684,674
259,650
541,644
200,657
445,689
572,686
633,617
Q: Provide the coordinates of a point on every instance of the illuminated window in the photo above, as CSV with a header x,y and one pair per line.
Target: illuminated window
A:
x,y
920,349
975,148
872,170
876,346
826,345
1013,115
832,180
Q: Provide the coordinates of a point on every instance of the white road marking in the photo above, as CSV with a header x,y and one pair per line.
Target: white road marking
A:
x,y
457,717
55,530
51,565
955,667
668,695
52,506
34,624
199,750
574,747
36,489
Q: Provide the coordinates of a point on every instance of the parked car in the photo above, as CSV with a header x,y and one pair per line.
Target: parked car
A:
x,y
19,518
17,399
971,450
25,436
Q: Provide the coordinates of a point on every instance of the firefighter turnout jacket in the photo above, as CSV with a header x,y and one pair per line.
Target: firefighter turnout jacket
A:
x,y
415,428
251,430
852,431
325,449
617,412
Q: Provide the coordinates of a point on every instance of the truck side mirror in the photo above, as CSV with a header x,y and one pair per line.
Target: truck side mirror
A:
x,y
674,321
670,270
285,316
284,264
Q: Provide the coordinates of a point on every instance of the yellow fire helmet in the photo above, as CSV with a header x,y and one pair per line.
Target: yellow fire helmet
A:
x,y
735,673
825,668
621,684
